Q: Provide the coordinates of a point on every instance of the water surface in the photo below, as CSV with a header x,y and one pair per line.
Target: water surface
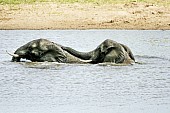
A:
x,y
27,87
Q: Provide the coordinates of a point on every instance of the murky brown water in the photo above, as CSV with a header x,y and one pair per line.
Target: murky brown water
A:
x,y
72,88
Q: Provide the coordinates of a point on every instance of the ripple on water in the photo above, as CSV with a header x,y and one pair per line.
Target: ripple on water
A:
x,y
32,87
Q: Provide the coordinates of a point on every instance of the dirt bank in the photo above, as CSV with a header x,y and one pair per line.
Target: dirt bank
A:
x,y
84,16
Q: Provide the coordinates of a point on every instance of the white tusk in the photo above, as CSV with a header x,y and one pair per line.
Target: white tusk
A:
x,y
11,54
85,61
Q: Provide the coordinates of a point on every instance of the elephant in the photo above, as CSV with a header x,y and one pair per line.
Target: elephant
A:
x,y
41,50
107,51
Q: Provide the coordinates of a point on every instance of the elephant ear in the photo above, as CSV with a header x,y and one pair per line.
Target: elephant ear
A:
x,y
52,56
55,53
127,49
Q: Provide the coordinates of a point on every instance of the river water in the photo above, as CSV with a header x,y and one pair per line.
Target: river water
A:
x,y
87,88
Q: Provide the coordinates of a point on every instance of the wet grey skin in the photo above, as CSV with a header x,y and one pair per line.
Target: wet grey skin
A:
x,y
41,50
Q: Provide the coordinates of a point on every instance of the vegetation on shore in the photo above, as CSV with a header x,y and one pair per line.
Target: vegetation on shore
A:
x,y
163,2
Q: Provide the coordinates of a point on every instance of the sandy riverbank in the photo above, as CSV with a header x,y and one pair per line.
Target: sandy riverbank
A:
x,y
84,16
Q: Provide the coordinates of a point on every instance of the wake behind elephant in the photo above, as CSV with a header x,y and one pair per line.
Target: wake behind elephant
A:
x,y
41,50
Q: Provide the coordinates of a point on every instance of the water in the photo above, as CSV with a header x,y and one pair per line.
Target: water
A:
x,y
84,88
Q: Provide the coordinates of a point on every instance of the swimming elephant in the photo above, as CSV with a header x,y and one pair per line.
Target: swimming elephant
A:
x,y
107,51
41,50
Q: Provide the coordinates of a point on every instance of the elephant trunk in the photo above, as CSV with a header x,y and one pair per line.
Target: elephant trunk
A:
x,y
81,55
16,59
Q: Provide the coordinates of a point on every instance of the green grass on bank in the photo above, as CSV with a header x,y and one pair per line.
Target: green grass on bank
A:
x,y
163,2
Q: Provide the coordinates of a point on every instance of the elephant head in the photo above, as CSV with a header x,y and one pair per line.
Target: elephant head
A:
x,y
117,52
109,51
21,52
107,46
40,50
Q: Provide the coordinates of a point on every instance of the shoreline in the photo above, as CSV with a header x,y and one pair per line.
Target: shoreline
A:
x,y
52,16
